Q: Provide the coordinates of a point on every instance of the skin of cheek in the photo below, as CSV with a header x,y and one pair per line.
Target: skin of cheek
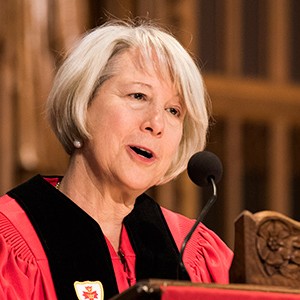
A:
x,y
116,129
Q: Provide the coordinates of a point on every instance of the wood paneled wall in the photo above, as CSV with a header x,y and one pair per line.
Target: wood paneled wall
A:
x,y
248,52
256,100
33,35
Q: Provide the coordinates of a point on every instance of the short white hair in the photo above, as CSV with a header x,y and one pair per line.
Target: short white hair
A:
x,y
89,65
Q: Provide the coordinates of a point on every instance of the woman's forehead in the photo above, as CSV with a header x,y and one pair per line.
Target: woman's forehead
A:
x,y
147,62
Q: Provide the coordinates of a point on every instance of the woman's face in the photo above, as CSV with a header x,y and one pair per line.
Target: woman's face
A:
x,y
135,121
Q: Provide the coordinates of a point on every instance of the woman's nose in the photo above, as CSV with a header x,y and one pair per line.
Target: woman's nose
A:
x,y
154,122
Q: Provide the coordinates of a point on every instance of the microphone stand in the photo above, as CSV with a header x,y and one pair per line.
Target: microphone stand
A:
x,y
200,218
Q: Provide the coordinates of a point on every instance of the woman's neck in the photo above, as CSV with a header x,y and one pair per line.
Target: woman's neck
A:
x,y
107,205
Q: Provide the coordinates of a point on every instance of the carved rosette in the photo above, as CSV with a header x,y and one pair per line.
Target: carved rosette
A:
x,y
278,247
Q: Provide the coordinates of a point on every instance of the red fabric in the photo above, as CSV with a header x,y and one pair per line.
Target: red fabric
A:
x,y
199,293
125,269
23,274
206,258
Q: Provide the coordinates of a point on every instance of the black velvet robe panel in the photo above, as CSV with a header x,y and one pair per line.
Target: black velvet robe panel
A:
x,y
75,245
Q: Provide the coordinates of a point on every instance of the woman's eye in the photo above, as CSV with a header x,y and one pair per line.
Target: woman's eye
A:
x,y
138,96
174,111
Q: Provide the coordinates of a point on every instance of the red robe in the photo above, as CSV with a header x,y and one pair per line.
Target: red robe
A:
x,y
25,271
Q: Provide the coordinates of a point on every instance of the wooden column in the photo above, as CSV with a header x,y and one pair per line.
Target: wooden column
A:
x,y
233,176
280,168
278,40
7,96
233,37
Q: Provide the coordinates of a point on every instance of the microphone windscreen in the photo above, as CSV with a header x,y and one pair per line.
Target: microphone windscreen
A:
x,y
204,165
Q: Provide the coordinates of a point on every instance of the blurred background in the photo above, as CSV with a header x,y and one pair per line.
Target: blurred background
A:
x,y
248,51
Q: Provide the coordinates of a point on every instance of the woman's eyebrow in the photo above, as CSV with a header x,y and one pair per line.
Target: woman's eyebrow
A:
x,y
141,83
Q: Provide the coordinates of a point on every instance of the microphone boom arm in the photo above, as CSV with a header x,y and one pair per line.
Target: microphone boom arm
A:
x,y
200,219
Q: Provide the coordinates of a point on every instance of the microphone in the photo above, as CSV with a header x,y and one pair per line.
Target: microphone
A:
x,y
204,169
204,165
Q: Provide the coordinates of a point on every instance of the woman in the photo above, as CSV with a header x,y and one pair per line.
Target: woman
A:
x,y
128,106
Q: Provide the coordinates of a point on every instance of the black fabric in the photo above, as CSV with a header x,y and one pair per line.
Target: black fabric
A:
x,y
156,252
75,245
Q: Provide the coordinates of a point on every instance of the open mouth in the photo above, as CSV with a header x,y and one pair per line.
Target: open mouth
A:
x,y
142,152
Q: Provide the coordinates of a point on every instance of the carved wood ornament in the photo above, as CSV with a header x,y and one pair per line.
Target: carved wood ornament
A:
x,y
267,250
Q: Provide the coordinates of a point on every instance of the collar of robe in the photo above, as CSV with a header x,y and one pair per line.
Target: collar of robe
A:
x,y
75,245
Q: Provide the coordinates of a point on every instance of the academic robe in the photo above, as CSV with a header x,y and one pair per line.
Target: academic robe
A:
x,y
47,243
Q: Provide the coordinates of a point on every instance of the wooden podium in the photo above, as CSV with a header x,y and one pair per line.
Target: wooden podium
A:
x,y
155,289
